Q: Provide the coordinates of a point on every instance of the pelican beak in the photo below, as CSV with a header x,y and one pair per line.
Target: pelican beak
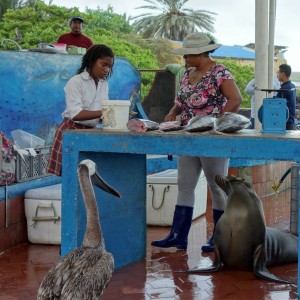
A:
x,y
98,181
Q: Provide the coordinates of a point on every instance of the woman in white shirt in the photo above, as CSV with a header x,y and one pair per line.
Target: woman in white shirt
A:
x,y
84,94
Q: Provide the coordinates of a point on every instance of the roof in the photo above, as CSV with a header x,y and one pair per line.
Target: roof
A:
x,y
279,48
235,52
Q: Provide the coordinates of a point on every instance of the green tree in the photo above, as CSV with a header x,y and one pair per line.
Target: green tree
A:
x,y
162,48
108,20
44,23
172,20
242,75
40,23
8,4
16,4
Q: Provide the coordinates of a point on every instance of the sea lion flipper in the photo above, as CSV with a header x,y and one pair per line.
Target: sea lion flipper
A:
x,y
212,268
265,274
215,267
259,266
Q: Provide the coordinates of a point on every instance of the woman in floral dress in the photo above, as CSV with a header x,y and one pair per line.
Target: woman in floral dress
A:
x,y
206,88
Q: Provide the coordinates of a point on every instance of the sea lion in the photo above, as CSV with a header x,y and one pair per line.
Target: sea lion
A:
x,y
242,239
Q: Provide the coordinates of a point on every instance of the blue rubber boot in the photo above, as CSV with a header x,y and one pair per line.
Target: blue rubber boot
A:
x,y
209,246
178,237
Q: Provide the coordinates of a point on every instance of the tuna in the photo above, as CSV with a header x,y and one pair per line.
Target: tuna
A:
x,y
170,126
200,123
231,122
141,125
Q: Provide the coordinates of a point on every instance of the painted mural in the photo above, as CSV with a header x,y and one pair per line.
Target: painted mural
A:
x,y
31,89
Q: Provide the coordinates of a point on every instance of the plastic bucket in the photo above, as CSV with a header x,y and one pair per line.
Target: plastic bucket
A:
x,y
115,114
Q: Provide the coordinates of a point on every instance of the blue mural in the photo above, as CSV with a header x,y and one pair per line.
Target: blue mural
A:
x,y
31,89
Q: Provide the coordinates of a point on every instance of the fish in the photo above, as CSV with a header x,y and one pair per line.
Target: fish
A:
x,y
65,74
170,126
44,75
200,123
231,122
141,125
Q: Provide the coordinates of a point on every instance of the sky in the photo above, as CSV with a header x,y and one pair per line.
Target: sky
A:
x,y
234,22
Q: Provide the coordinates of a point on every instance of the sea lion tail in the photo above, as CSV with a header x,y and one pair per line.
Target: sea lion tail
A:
x,y
260,269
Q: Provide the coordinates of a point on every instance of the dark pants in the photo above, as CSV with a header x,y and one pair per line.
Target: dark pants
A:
x,y
290,126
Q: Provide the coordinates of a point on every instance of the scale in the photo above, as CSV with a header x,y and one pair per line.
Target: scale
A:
x,y
273,114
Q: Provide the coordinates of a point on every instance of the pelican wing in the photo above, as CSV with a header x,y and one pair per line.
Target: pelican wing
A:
x,y
51,286
92,280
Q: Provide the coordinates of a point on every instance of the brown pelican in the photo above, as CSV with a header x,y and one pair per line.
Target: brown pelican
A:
x,y
84,272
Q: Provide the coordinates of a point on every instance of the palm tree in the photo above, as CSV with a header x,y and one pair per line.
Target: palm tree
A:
x,y
7,4
170,20
16,4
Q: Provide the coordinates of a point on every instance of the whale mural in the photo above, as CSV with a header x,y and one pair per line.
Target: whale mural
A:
x,y
31,89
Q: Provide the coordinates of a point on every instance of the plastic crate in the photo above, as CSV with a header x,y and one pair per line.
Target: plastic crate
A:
x,y
31,167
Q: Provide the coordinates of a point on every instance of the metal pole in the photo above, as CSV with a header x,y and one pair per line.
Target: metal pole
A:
x,y
261,53
272,21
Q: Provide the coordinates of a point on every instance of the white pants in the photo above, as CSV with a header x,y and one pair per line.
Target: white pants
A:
x,y
189,169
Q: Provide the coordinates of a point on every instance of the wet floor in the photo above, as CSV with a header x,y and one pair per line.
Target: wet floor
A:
x,y
23,267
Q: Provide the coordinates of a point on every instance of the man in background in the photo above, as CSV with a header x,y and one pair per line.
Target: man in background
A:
x,y
287,91
75,37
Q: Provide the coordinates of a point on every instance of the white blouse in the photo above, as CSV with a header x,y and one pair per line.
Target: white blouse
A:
x,y
81,94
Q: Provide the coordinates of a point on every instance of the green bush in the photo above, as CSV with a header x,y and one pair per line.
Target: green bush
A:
x,y
242,75
44,23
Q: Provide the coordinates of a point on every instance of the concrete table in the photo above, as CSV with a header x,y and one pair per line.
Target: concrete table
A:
x,y
121,159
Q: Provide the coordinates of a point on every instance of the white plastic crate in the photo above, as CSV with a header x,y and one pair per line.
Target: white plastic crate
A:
x,y
162,193
43,214
30,167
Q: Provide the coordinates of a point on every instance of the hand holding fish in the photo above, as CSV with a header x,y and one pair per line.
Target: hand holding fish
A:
x,y
174,112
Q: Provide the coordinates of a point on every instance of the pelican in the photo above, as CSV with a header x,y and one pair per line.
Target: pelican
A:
x,y
84,273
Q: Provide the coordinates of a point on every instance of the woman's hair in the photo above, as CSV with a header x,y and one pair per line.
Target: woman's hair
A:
x,y
92,54
210,51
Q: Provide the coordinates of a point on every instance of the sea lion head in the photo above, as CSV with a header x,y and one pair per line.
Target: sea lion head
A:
x,y
227,183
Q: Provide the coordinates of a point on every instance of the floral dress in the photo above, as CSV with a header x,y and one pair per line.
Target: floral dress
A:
x,y
204,97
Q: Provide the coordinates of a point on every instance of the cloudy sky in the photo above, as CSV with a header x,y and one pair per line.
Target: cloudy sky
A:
x,y
234,24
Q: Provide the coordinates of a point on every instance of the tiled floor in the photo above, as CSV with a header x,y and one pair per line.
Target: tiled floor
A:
x,y
22,269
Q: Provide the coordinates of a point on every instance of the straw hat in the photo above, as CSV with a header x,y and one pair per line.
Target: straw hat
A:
x,y
196,43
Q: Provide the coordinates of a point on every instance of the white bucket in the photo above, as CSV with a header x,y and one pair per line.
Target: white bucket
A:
x,y
115,114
